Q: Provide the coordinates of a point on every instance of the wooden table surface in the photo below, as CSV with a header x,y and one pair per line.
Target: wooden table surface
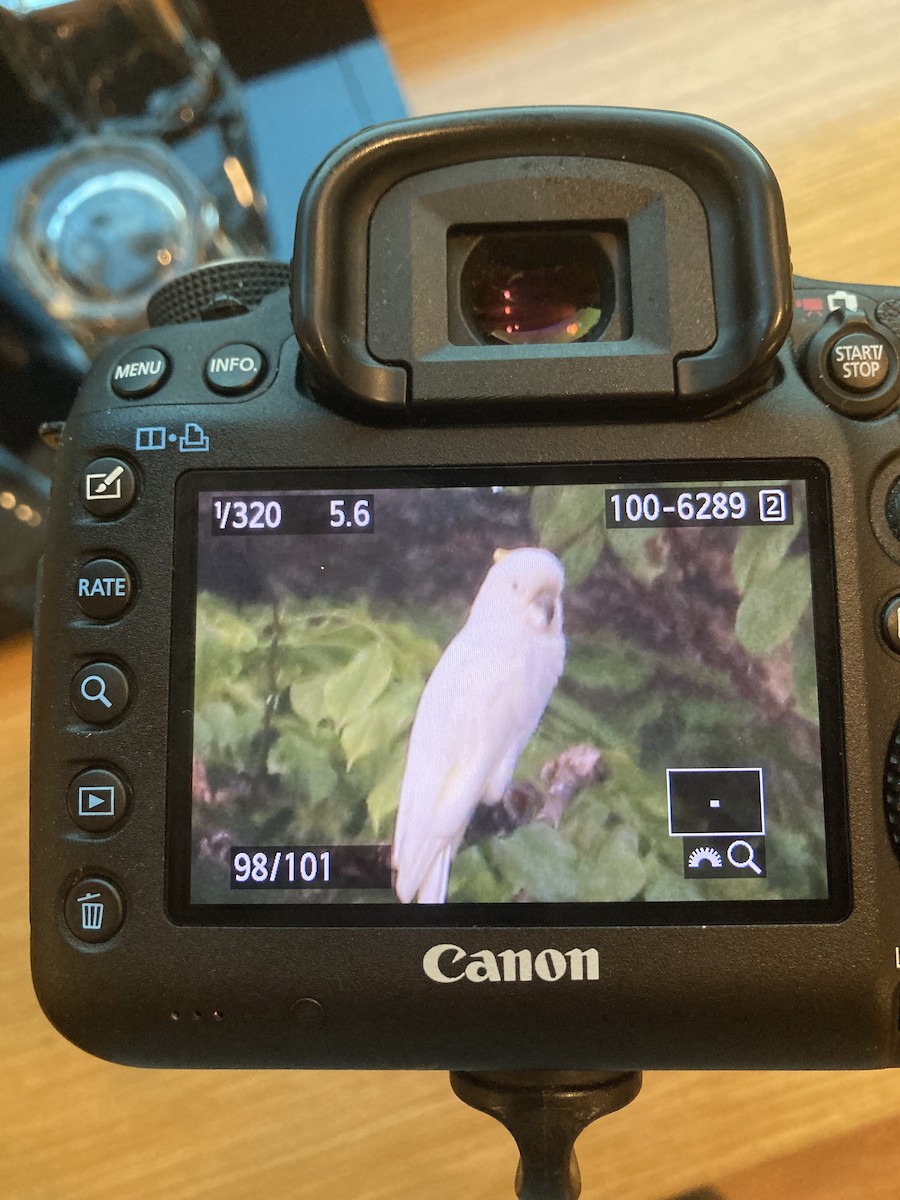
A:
x,y
816,86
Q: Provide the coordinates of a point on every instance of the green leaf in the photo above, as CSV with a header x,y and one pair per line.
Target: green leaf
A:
x,y
759,550
772,605
416,650
579,559
225,732
375,731
307,697
608,664
640,552
355,688
306,765
617,873
538,861
338,634
576,722
559,514
806,692
667,884
224,623
473,879
384,797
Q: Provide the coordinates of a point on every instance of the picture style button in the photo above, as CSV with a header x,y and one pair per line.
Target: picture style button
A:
x,y
103,589
108,486
234,369
94,910
860,362
139,373
99,693
97,800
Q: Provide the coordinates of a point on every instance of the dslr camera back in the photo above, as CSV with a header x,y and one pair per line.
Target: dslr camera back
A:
x,y
477,645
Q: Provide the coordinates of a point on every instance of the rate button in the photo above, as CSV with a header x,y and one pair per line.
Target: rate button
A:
x,y
103,589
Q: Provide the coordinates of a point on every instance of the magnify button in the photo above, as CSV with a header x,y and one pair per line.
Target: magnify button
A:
x,y
100,693
94,689
747,857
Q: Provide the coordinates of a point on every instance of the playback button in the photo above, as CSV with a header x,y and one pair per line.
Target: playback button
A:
x,y
97,800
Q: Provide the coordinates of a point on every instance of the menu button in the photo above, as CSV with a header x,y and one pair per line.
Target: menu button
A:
x,y
139,373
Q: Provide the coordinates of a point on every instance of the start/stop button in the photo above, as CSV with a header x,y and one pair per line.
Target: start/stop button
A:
x,y
853,366
860,362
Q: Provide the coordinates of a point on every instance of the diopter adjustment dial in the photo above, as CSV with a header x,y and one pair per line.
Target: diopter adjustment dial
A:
x,y
217,290
892,789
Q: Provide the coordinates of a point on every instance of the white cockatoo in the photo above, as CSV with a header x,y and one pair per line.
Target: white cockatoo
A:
x,y
477,712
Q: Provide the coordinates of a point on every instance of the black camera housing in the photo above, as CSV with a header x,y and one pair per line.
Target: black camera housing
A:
x,y
719,363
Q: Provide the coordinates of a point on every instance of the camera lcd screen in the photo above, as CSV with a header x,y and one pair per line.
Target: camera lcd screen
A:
x,y
545,695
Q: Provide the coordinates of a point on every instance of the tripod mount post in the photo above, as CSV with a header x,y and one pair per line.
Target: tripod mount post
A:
x,y
545,1111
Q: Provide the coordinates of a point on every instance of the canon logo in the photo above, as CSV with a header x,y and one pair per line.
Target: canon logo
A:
x,y
449,964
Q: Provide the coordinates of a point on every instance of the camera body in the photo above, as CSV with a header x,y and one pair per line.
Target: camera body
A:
x,y
307,791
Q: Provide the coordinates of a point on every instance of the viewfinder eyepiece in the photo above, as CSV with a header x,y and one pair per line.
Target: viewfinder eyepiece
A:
x,y
536,287
599,264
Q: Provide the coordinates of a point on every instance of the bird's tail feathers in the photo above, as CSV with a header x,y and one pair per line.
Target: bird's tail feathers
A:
x,y
433,888
425,881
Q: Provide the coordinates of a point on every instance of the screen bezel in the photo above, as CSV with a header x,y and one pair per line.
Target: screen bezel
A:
x,y
634,913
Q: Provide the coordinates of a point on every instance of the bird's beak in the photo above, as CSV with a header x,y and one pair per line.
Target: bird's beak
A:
x,y
545,601
500,554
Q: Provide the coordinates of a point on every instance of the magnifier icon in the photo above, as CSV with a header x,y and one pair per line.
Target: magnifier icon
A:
x,y
742,862
99,693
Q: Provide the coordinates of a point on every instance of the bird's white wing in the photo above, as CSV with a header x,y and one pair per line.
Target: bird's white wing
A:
x,y
478,709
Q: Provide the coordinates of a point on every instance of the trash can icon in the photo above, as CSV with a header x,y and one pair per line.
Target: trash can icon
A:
x,y
91,911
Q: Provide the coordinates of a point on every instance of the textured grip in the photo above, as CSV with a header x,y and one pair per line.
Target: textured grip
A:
x,y
202,294
892,788
888,313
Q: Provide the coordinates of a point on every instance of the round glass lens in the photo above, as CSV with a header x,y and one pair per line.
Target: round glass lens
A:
x,y
535,289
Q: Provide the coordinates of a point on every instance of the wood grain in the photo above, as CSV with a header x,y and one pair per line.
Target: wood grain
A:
x,y
816,86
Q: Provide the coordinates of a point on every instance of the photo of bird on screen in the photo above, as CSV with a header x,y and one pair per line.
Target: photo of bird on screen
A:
x,y
478,710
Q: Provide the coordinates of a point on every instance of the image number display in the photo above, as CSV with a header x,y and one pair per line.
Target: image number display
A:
x,y
511,693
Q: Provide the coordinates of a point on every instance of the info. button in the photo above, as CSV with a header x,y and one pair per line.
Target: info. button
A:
x,y
234,369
